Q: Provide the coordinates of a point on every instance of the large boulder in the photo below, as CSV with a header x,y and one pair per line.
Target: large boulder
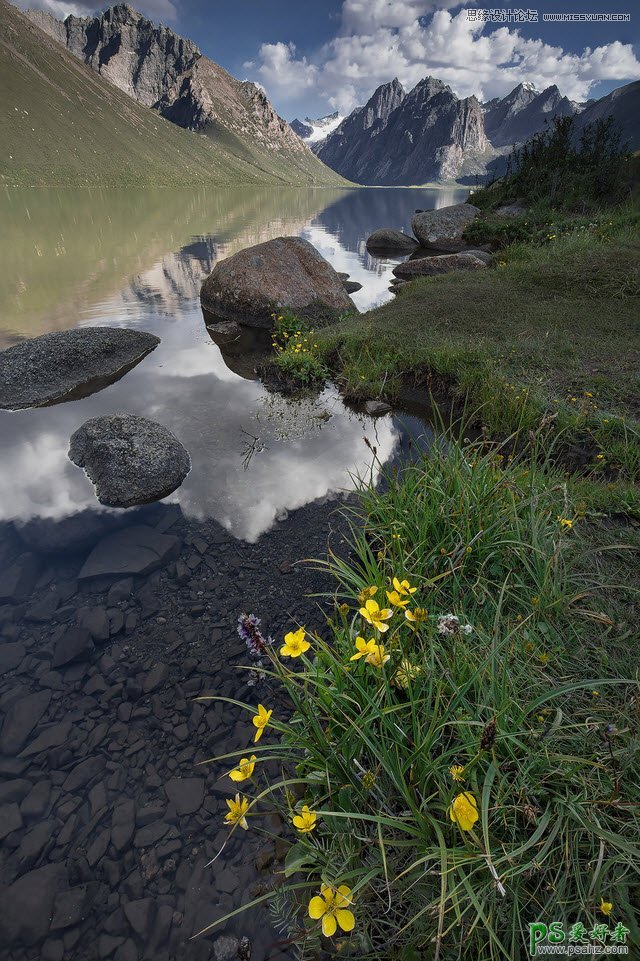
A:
x,y
287,273
442,264
388,240
442,229
68,364
129,459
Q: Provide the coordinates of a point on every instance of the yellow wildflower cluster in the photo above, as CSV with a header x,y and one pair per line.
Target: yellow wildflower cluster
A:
x,y
292,342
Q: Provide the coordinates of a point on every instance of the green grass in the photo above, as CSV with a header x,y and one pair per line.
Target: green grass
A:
x,y
61,124
546,337
537,703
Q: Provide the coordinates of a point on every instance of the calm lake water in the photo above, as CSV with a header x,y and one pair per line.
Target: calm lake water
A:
x,y
111,807
137,258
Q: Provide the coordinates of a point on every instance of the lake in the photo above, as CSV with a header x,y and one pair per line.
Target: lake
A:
x,y
107,814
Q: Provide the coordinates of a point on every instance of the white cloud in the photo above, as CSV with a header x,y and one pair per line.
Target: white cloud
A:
x,y
381,39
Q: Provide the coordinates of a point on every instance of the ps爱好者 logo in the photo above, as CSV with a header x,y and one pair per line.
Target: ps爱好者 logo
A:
x,y
549,938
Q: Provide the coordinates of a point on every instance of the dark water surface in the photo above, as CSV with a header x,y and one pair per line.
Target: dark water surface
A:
x,y
106,822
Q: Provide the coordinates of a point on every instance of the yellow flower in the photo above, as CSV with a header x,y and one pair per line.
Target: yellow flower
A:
x,y
543,658
363,648
606,907
403,587
375,615
456,771
464,811
366,593
417,616
332,905
237,810
396,599
565,523
294,643
344,609
305,821
260,721
377,657
405,673
244,770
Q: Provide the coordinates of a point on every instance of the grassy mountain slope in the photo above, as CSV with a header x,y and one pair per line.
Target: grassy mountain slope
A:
x,y
61,124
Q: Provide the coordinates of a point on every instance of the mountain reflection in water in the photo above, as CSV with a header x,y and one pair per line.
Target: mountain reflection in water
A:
x,y
138,259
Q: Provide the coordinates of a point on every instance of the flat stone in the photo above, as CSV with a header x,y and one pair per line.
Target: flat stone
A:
x,y
442,264
26,905
375,408
186,794
98,848
33,844
11,654
70,908
442,229
10,819
140,915
68,364
129,459
95,620
37,800
82,774
123,823
20,720
155,678
133,550
14,790
53,736
19,579
73,645
120,591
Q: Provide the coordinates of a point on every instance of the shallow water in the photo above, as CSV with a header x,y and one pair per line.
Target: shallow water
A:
x,y
138,259
267,471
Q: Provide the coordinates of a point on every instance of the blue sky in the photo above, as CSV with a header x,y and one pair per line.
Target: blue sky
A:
x,y
313,58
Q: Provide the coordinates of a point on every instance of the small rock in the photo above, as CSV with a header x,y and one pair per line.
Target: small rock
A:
x,y
10,819
95,620
388,240
442,264
155,678
225,948
186,794
20,720
73,645
374,408
69,908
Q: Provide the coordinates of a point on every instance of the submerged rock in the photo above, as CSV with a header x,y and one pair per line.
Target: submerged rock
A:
x,y
134,550
287,273
388,240
351,286
129,459
442,229
69,364
442,264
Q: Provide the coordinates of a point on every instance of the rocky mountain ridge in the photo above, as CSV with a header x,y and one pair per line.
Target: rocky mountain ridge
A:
x,y
168,73
313,131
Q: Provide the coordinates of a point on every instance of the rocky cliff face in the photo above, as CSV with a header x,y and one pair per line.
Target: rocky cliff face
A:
x,y
399,138
524,112
623,105
164,71
429,134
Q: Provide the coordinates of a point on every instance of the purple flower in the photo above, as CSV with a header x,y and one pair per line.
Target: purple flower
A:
x,y
249,631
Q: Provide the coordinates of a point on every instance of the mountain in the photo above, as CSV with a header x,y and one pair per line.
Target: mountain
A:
x,y
90,122
399,138
524,112
623,105
313,131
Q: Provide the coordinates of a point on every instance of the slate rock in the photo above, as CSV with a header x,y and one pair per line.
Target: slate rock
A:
x,y
70,908
129,459
20,720
387,240
133,550
37,800
83,773
10,819
53,735
442,229
155,678
19,579
26,905
123,822
95,620
11,654
33,844
283,273
68,364
73,645
141,915
186,794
